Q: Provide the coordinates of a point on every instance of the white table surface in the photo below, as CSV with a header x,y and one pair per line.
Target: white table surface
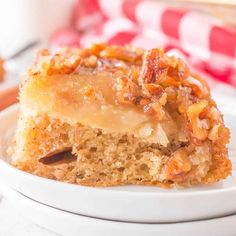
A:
x,y
13,223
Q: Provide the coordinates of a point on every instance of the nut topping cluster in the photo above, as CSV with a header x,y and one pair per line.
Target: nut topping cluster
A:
x,y
149,80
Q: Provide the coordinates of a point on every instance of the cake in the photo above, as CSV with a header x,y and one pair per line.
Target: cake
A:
x,y
109,115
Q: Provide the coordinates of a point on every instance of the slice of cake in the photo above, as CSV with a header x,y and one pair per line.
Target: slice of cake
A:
x,y
110,115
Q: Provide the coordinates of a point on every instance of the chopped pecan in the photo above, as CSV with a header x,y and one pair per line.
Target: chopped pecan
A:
x,y
90,61
154,109
148,108
144,101
126,90
134,73
120,53
154,66
183,70
55,156
171,94
214,115
169,81
153,89
199,127
57,64
180,70
178,166
172,61
64,65
214,132
199,88
95,49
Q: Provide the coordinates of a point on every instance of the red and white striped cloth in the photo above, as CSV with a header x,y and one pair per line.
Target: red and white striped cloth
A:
x,y
208,45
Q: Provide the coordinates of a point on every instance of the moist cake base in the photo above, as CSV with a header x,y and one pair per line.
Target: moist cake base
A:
x,y
95,158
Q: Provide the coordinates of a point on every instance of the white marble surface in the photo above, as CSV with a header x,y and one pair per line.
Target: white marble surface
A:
x,y
13,222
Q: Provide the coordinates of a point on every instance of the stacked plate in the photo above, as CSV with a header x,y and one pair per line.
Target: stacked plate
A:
x,y
71,209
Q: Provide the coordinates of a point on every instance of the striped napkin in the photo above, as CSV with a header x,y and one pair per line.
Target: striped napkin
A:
x,y
208,44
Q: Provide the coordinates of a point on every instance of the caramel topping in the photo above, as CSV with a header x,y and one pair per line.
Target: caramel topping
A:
x,y
147,82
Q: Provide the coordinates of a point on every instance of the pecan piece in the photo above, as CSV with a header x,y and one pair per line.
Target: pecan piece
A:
x,y
96,48
198,86
90,62
134,73
214,132
178,166
199,127
154,67
120,53
153,90
126,91
179,70
63,64
57,64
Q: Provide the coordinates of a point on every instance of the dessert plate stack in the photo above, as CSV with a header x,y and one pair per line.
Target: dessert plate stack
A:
x,y
71,209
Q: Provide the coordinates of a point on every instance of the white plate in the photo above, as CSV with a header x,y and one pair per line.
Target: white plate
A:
x,y
126,203
69,224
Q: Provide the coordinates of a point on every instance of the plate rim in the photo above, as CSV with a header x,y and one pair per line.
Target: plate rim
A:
x,y
41,204
226,223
